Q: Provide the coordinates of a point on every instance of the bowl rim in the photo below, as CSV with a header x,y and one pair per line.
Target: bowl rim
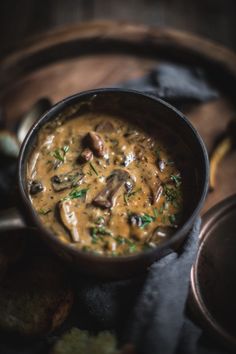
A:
x,y
209,220
69,101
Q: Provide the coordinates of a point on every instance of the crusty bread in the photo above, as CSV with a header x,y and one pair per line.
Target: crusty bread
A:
x,y
76,341
81,342
35,296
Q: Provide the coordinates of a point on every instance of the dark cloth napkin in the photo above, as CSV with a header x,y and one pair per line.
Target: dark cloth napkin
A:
x,y
150,311
175,84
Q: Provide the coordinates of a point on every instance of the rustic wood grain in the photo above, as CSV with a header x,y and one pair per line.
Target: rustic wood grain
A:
x,y
93,55
24,18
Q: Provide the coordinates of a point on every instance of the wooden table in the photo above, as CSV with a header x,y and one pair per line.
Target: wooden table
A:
x,y
92,55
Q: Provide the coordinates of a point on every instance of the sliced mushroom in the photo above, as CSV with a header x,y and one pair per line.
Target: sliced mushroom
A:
x,y
86,155
107,197
96,144
155,185
105,126
135,220
69,219
161,165
66,180
36,187
128,159
156,193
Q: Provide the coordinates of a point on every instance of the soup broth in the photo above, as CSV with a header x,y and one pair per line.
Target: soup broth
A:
x,y
105,185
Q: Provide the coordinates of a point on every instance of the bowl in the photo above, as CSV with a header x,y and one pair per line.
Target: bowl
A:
x,y
213,276
131,105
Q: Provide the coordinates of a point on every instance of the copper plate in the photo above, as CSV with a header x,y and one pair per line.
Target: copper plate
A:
x,y
213,277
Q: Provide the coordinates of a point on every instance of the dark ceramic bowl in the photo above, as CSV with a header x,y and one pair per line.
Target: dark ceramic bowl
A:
x,y
213,276
136,107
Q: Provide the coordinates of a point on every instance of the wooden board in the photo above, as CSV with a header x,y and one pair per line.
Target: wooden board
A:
x,y
101,54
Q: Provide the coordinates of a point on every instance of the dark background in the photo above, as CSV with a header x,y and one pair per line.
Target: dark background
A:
x,y
20,19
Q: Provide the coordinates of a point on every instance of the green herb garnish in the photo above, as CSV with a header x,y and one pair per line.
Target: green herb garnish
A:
x,y
132,248
66,148
172,219
100,230
170,193
176,179
60,153
146,220
155,212
163,219
120,240
76,193
93,168
100,220
44,211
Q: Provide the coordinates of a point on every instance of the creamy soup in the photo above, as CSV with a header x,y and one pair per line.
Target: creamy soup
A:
x,y
104,185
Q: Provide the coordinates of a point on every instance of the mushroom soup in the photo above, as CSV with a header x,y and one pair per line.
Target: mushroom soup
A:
x,y
105,185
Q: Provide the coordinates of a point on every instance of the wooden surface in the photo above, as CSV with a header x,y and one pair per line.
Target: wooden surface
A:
x,y
102,54
21,19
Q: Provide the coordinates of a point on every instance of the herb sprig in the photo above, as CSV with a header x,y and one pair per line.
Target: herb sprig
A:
x,y
76,193
176,179
60,153
171,193
97,232
146,220
43,211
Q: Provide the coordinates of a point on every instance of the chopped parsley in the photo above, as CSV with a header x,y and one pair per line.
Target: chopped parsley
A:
x,y
155,212
170,193
100,230
176,179
172,219
60,153
100,220
120,240
76,193
44,211
141,220
132,248
130,245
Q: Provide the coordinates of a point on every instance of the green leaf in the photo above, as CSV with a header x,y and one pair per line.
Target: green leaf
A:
x,y
44,211
132,248
60,153
57,155
170,193
146,220
76,193
155,212
66,148
120,240
100,220
172,219
100,230
176,179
